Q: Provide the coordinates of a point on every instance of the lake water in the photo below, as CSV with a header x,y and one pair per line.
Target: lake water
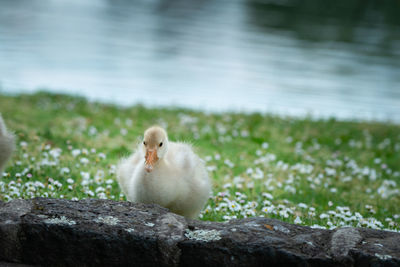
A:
x,y
288,57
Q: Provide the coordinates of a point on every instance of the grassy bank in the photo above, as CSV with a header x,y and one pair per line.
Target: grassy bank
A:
x,y
322,173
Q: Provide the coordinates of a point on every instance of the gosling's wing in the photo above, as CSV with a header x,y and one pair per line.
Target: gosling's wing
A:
x,y
182,156
126,167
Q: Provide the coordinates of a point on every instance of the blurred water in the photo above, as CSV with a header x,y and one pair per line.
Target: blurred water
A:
x,y
286,57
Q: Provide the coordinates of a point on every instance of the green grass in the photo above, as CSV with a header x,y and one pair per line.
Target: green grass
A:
x,y
348,172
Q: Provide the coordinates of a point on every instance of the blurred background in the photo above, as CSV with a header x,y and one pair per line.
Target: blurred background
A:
x,y
290,57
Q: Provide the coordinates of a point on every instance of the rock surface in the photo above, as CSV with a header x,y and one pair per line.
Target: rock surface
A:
x,y
57,232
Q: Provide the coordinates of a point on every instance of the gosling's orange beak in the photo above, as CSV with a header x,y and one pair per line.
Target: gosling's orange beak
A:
x,y
150,159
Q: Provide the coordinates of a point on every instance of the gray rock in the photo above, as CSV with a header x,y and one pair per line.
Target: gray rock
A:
x,y
57,232
10,224
9,264
343,240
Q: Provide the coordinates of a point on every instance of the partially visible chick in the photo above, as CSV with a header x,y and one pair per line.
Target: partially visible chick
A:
x,y
6,144
166,173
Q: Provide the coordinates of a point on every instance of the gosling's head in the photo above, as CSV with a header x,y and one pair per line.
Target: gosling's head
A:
x,y
155,144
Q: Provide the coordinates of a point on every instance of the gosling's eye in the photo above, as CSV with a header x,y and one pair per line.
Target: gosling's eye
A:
x,y
144,143
161,144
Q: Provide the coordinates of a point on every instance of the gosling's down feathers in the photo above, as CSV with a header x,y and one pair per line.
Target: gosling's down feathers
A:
x,y
166,173
6,144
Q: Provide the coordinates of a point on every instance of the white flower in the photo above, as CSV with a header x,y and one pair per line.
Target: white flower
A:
x,y
267,195
386,191
211,168
76,152
84,161
316,226
259,174
55,153
99,189
297,220
23,144
112,169
250,185
289,139
98,178
227,185
229,163
290,189
284,213
57,184
323,216
64,170
302,205
92,131
128,122
330,171
85,176
268,209
89,193
123,131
